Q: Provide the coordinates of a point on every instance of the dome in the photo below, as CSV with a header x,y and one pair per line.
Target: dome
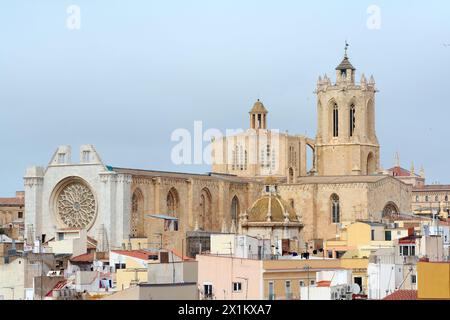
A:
x,y
258,107
259,210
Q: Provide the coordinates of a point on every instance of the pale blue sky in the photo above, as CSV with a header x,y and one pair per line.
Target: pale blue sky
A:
x,y
137,70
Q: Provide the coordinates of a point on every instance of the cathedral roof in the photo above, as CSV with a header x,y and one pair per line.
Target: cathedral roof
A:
x,y
260,209
345,64
258,107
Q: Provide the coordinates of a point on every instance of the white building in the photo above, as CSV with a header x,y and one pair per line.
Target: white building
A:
x,y
85,195
330,285
239,246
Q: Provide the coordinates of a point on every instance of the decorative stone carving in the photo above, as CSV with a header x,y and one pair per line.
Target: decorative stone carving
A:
x,y
76,206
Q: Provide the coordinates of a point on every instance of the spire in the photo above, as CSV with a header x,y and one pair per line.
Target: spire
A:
x,y
345,64
412,168
397,159
422,172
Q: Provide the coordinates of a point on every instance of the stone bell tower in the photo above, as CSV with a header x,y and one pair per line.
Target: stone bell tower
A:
x,y
258,116
346,142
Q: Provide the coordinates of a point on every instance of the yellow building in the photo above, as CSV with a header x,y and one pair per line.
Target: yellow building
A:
x,y
364,237
283,279
131,266
433,280
358,262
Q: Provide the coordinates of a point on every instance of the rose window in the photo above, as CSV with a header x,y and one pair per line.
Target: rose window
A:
x,y
76,205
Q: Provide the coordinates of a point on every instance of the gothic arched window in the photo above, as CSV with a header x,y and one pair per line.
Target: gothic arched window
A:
x,y
234,209
335,121
352,120
172,203
335,209
205,209
136,213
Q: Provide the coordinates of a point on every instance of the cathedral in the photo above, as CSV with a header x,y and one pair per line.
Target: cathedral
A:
x,y
260,182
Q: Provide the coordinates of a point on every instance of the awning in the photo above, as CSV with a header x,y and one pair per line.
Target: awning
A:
x,y
162,216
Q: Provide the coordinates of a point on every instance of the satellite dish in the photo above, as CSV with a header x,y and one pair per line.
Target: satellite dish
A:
x,y
356,289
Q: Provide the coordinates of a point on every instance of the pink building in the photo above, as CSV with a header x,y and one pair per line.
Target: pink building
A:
x,y
228,278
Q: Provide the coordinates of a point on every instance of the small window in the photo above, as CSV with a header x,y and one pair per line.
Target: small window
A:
x,y
412,251
20,215
387,236
446,198
301,283
237,286
61,158
86,156
413,279
312,282
436,198
207,290
372,235
417,198
426,198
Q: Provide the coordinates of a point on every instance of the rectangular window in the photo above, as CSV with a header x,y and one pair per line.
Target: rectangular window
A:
x,y
405,251
86,156
413,279
119,266
330,254
20,215
271,291
301,283
387,236
288,289
207,290
372,235
312,282
61,158
412,251
237,286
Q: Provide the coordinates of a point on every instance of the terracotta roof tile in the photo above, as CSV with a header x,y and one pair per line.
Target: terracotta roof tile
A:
x,y
12,201
400,172
402,295
87,258
140,254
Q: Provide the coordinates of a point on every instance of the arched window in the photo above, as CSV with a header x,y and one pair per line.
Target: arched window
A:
x,y
235,209
205,210
335,209
436,198
335,121
245,160
426,198
417,198
371,164
446,197
172,203
240,158
352,120
390,210
136,214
